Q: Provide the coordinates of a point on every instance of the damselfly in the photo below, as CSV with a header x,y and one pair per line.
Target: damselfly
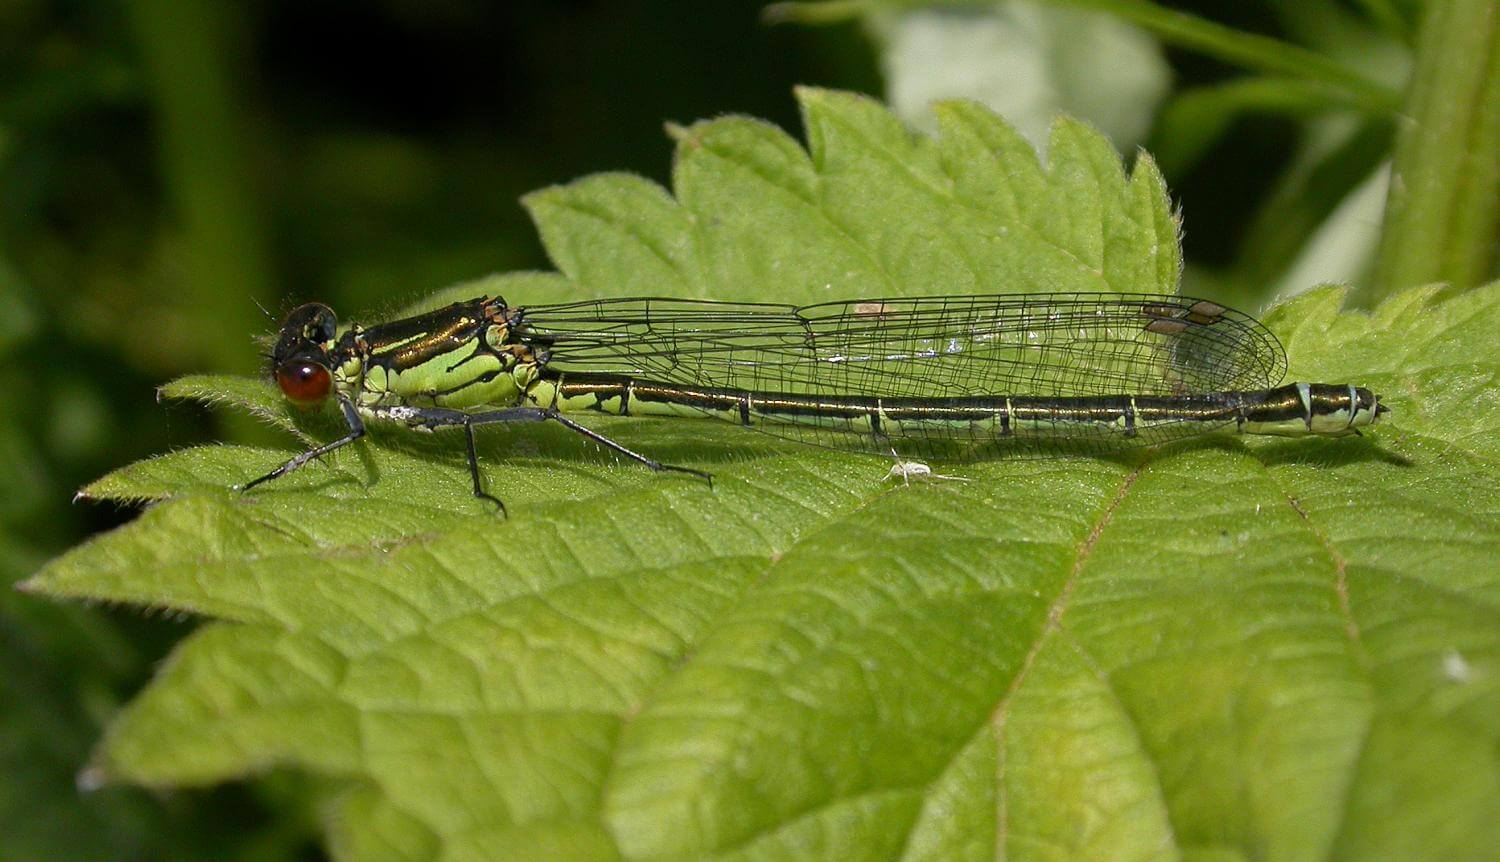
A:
x,y
936,376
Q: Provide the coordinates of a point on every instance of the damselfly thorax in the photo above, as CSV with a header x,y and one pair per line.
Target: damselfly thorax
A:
x,y
972,375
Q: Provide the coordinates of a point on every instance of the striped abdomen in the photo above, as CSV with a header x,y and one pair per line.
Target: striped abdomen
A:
x,y
1294,409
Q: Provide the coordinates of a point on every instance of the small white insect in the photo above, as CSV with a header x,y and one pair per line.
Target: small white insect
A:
x,y
909,470
1456,667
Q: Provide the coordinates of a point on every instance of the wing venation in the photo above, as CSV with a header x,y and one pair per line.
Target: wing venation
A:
x,y
1041,344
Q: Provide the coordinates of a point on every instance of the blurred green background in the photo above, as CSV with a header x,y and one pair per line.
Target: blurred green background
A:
x,y
170,168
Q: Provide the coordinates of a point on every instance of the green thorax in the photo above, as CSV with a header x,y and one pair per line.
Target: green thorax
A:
x,y
461,357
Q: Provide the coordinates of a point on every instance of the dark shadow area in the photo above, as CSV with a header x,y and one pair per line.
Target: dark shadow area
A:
x,y
1318,452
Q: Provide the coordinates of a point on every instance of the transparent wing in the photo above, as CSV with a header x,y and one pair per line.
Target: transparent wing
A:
x,y
1054,345
935,347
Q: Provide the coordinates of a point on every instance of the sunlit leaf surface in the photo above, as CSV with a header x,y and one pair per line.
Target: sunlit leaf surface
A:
x,y
1281,650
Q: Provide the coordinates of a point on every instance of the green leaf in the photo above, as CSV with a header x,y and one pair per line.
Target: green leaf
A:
x,y
1196,118
1235,649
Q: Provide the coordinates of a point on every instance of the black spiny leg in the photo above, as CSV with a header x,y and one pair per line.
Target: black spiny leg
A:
x,y
474,471
433,417
628,453
356,431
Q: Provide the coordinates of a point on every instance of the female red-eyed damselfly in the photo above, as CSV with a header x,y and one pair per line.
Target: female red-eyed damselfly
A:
x,y
944,376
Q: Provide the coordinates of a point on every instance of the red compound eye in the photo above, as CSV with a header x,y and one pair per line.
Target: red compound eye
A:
x,y
303,383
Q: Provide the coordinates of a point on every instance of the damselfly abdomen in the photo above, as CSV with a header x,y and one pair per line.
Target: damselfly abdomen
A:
x,y
935,376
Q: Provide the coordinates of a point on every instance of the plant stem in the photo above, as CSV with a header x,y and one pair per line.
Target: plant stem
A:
x,y
1388,18
1195,118
1304,199
1444,203
205,170
1249,50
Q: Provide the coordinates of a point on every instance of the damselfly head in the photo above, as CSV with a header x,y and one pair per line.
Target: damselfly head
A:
x,y
299,361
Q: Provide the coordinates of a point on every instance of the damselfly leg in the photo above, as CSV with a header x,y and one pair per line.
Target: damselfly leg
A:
x,y
433,418
356,431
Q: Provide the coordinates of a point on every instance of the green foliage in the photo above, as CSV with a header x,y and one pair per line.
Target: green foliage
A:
x,y
1444,211
1351,78
1283,649
163,171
